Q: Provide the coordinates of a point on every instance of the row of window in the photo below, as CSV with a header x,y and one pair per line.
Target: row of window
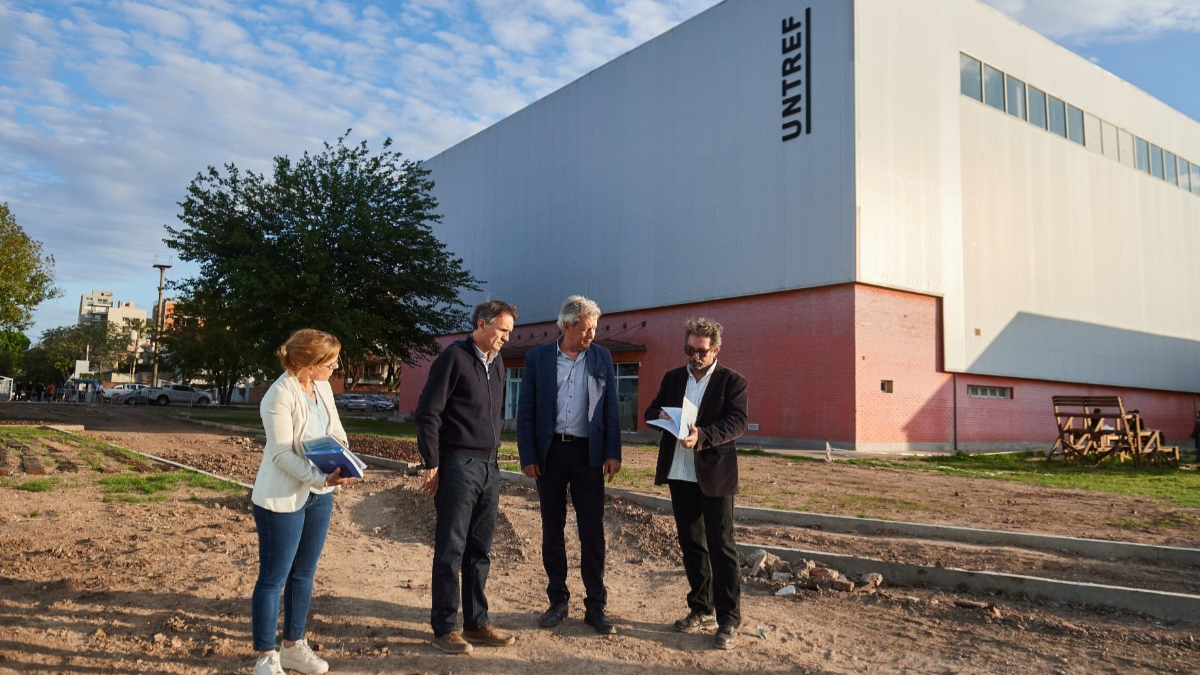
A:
x,y
1004,92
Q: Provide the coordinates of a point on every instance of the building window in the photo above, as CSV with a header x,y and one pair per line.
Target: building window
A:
x,y
1037,107
1057,116
627,395
1169,168
512,391
885,386
993,87
1185,180
1156,161
1196,179
1142,153
1075,124
1015,100
978,391
970,81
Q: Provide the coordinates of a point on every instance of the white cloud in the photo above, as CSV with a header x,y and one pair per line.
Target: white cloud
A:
x,y
162,21
1084,21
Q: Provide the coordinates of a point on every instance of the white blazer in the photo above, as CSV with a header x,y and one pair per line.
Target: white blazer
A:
x,y
285,476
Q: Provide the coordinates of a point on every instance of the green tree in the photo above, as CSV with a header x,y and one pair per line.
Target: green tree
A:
x,y
13,345
205,343
102,343
38,367
26,277
341,241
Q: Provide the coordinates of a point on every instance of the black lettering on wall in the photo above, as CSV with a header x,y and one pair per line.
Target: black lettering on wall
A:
x,y
796,73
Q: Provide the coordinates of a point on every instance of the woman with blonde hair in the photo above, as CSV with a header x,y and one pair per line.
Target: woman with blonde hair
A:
x,y
293,499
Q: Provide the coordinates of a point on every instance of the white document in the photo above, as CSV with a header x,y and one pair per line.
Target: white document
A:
x,y
681,419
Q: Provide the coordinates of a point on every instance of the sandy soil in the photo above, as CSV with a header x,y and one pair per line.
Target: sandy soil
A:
x,y
92,586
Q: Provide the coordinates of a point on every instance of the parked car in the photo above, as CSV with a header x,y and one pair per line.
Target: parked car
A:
x,y
378,402
134,397
179,393
119,392
354,402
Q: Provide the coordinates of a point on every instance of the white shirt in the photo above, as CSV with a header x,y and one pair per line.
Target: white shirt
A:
x,y
683,467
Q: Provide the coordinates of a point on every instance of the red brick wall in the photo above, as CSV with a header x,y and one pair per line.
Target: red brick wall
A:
x,y
898,338
815,359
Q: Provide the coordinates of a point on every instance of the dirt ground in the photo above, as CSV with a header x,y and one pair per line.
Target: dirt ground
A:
x,y
91,586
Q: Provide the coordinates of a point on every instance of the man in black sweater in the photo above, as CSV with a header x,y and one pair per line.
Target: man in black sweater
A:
x,y
458,434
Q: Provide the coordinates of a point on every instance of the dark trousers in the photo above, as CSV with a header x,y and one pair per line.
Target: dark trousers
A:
x,y
467,501
289,545
710,559
568,467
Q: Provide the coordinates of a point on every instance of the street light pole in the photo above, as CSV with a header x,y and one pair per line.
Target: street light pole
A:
x,y
162,263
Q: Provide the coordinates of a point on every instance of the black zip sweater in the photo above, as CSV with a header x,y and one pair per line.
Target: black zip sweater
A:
x,y
460,406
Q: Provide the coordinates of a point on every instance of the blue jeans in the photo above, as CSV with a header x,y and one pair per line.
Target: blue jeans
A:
x,y
289,545
467,501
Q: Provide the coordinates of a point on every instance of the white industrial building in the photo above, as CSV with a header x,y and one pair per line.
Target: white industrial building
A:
x,y
917,221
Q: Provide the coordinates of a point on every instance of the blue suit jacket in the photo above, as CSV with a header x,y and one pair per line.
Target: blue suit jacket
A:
x,y
537,406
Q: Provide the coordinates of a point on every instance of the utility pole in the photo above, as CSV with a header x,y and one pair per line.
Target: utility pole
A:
x,y
162,263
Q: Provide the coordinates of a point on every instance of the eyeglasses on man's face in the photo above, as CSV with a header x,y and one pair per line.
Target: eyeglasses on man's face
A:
x,y
692,351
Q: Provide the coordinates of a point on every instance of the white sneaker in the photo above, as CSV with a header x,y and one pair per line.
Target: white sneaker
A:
x,y
301,657
268,665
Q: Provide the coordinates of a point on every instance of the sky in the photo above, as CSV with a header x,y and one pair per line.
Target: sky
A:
x,y
109,108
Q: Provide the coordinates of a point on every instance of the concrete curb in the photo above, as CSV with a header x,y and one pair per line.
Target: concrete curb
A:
x,y
1179,607
1089,548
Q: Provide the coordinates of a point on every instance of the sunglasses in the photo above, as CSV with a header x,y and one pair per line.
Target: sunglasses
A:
x,y
692,351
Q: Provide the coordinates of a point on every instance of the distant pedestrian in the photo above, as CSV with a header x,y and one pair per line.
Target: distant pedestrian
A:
x,y
1196,436
51,390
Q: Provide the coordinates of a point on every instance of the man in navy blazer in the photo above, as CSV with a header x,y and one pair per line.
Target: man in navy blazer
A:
x,y
569,436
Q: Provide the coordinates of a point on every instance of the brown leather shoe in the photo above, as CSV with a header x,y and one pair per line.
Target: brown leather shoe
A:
x,y
452,643
488,635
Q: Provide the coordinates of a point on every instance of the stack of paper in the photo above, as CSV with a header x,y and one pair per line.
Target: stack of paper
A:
x,y
681,419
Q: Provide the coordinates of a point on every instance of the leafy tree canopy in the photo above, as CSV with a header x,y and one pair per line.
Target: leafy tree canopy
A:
x,y
205,343
341,241
26,277
13,345
104,344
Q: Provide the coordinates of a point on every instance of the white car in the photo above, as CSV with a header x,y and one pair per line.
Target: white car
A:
x,y
117,393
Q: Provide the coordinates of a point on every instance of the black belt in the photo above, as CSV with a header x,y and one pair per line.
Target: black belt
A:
x,y
568,438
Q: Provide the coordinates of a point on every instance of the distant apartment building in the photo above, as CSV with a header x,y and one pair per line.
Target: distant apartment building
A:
x,y
99,307
94,307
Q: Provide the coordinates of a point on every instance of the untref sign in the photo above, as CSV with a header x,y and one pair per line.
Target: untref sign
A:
x,y
796,71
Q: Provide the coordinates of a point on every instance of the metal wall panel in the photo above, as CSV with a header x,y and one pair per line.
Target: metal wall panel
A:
x,y
662,178
1053,262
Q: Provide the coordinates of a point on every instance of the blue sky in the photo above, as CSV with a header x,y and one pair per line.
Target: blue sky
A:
x,y
108,108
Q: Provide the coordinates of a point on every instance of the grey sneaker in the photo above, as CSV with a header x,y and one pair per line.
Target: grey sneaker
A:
x,y
695,622
300,657
452,643
268,665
